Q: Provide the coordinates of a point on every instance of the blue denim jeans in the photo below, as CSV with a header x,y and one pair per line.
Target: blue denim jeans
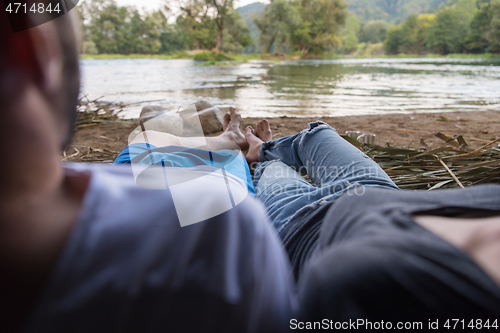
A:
x,y
332,164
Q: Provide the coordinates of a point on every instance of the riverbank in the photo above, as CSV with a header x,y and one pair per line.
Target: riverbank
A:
x,y
102,141
292,56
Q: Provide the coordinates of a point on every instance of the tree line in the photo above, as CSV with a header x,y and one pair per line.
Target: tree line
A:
x,y
305,27
391,11
199,24
465,26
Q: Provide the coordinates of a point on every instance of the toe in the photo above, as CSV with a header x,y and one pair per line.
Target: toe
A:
x,y
250,134
257,126
227,119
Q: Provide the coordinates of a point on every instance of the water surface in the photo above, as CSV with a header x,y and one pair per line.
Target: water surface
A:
x,y
300,88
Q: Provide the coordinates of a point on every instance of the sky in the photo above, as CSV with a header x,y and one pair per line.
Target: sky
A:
x,y
155,4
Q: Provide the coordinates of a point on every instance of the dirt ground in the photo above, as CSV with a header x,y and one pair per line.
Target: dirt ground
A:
x,y
102,142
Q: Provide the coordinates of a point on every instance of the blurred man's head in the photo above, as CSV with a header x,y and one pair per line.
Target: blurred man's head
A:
x,y
39,66
39,86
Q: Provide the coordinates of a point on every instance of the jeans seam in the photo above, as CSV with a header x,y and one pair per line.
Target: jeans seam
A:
x,y
262,168
308,158
318,128
267,164
317,204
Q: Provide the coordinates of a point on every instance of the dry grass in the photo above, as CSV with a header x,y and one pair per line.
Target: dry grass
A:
x,y
453,164
93,113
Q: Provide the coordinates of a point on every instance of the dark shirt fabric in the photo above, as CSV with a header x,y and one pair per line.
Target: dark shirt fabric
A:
x,y
300,237
371,261
129,266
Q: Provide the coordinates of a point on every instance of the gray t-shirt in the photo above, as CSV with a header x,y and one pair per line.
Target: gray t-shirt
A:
x,y
129,266
373,262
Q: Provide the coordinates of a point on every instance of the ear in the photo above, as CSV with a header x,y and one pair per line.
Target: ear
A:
x,y
37,52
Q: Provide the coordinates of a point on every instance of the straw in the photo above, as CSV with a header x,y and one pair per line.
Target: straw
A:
x,y
452,165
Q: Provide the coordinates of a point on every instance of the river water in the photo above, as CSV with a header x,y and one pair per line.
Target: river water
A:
x,y
300,88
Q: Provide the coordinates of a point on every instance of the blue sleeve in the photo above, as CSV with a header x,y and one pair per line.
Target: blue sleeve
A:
x,y
176,156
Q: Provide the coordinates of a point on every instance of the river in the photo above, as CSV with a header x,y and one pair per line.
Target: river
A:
x,y
340,87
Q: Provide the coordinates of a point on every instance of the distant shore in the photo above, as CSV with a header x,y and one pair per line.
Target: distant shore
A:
x,y
246,57
101,142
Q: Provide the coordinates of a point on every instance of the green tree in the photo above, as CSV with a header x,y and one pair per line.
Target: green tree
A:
x,y
350,42
144,34
449,30
200,30
174,39
321,23
394,41
283,19
167,37
349,34
248,15
223,9
112,29
374,31
262,23
207,24
237,34
477,39
411,36
280,18
445,35
493,34
461,26
391,11
108,28
424,23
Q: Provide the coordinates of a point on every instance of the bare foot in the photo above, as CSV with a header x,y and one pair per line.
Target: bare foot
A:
x,y
232,130
263,130
255,143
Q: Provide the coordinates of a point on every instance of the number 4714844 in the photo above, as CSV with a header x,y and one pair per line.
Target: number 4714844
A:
x,y
39,8
473,324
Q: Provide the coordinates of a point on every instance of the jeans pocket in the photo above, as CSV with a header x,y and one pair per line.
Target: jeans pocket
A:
x,y
318,125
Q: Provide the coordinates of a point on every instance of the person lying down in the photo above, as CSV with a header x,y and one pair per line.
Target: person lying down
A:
x,y
83,248
361,248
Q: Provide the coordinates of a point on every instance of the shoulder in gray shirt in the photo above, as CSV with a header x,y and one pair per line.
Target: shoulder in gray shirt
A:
x,y
130,267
